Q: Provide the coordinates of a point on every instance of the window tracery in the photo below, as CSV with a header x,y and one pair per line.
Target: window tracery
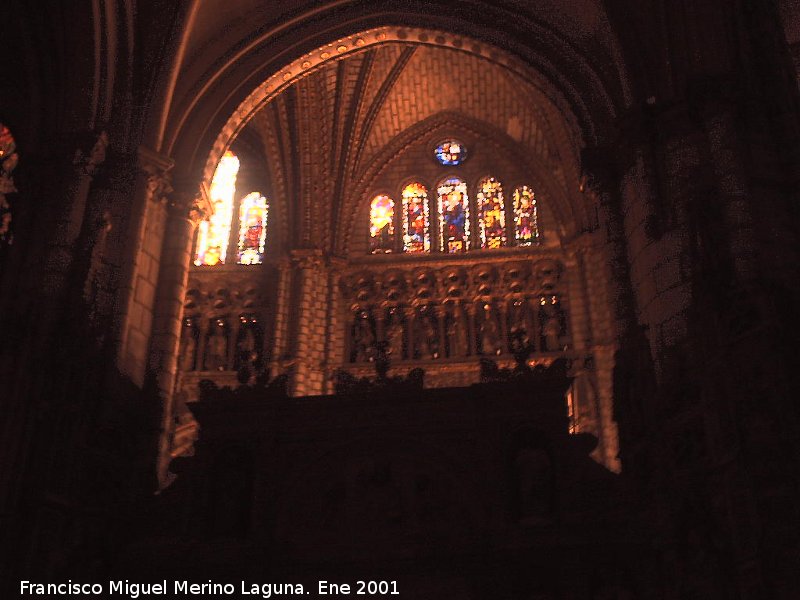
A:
x,y
455,223
451,153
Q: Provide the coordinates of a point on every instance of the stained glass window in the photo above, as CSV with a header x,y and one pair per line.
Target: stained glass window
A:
x,y
491,213
453,215
416,237
8,161
381,224
526,229
252,228
213,233
451,153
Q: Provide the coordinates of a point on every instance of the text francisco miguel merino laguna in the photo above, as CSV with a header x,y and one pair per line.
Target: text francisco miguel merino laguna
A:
x,y
264,590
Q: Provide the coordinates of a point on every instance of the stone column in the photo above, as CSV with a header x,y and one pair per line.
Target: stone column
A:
x,y
310,309
185,210
410,313
472,349
379,314
140,260
502,309
335,351
202,335
234,328
280,350
441,313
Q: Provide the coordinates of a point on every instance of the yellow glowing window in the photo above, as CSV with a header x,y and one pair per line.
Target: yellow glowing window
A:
x,y
492,213
381,224
214,232
416,237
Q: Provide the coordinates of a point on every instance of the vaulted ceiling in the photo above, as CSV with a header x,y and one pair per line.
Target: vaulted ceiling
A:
x,y
325,134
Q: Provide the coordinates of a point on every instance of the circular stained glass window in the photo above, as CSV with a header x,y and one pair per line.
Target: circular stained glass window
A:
x,y
451,153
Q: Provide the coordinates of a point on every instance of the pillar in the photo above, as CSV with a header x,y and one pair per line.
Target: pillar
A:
x,y
140,261
185,210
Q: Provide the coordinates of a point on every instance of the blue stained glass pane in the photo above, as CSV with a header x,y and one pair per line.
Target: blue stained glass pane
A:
x,y
451,153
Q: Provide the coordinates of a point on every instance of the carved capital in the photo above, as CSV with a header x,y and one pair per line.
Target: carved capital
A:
x,y
159,187
308,258
188,204
156,169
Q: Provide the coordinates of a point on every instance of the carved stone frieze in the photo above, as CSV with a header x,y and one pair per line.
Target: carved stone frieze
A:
x,y
451,313
224,329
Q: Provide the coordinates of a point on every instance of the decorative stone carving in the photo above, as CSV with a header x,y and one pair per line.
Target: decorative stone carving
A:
x,y
519,316
247,350
217,347
395,334
427,334
550,317
363,338
489,333
512,288
456,333
188,345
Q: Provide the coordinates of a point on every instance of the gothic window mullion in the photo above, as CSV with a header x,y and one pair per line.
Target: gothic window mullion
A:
x,y
474,242
233,237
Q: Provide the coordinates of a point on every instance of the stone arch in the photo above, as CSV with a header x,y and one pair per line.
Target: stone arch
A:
x,y
236,86
569,217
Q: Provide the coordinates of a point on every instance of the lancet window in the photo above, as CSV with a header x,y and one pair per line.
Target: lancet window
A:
x,y
381,224
253,213
493,225
526,228
453,215
214,232
250,224
491,213
416,219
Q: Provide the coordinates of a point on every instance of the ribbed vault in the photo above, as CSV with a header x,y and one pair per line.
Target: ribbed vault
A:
x,y
333,130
